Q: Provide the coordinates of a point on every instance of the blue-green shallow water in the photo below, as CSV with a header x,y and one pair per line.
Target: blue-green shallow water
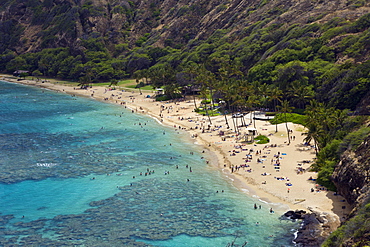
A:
x,y
70,176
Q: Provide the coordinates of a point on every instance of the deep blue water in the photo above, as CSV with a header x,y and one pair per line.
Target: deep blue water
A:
x,y
70,176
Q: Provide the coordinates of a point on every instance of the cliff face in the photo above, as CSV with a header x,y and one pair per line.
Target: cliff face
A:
x,y
351,177
33,25
352,174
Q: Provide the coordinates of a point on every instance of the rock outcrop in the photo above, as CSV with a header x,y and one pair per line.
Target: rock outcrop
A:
x,y
316,227
352,175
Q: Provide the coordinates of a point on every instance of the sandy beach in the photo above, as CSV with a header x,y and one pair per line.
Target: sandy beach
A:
x,y
275,172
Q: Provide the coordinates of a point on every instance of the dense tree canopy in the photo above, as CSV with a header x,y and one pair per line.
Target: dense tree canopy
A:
x,y
294,59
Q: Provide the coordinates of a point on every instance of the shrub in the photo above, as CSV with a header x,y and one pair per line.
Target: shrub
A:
x,y
261,139
355,230
324,175
162,98
270,113
354,139
330,151
167,97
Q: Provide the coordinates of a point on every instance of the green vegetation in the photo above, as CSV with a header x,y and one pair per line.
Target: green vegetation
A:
x,y
330,130
261,139
352,140
289,63
291,117
148,87
355,232
209,112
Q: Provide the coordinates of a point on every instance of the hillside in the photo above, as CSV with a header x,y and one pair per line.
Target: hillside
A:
x,y
321,42
35,25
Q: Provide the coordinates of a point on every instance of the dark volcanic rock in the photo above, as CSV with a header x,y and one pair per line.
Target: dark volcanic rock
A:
x,y
310,232
294,215
315,228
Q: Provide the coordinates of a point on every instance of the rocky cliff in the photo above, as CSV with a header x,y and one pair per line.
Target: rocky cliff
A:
x,y
352,175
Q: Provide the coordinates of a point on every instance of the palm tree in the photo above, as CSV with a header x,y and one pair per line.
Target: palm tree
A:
x,y
237,101
203,93
210,82
301,93
113,82
255,94
264,92
162,76
229,75
275,95
318,124
84,81
138,75
314,133
252,102
207,81
144,75
286,108
193,70
224,89
315,125
339,117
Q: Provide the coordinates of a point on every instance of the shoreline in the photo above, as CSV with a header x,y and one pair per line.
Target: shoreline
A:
x,y
257,177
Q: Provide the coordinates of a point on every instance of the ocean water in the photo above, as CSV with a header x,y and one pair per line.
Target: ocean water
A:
x,y
78,172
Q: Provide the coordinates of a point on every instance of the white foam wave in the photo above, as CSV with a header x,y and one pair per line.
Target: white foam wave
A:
x,y
46,164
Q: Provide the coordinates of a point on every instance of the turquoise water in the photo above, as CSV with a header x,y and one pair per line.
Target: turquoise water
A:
x,y
78,172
